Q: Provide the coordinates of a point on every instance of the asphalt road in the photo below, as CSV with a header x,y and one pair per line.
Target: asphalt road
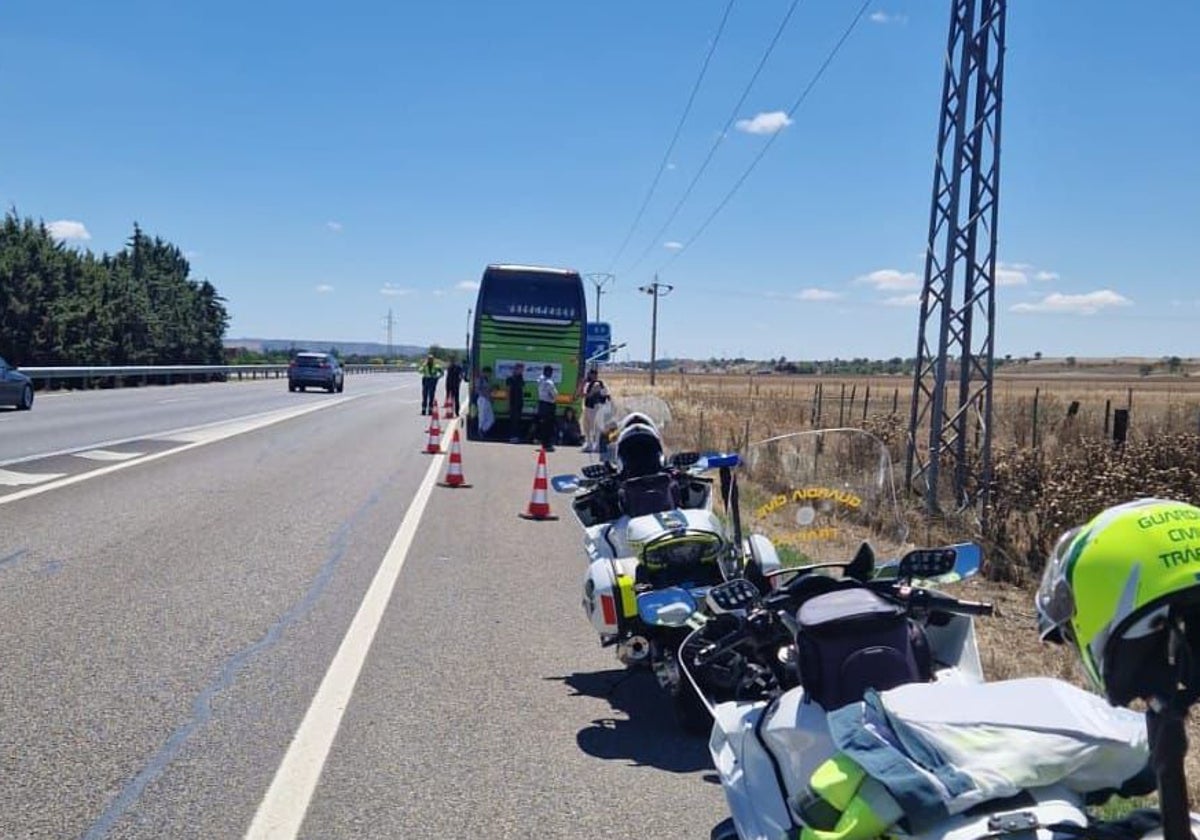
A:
x,y
168,621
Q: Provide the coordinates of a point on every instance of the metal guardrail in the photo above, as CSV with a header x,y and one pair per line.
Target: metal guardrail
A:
x,y
169,374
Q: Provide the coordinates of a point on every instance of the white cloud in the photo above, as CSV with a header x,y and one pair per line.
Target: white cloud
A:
x,y
1046,276
673,246
884,18
1015,274
439,292
670,166
816,294
913,299
336,227
468,286
191,255
66,229
890,280
394,291
1085,304
324,289
767,122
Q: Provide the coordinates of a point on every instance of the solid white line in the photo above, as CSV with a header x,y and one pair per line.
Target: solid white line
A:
x,y
283,809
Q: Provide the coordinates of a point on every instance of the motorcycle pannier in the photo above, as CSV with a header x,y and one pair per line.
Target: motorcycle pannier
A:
x,y
850,640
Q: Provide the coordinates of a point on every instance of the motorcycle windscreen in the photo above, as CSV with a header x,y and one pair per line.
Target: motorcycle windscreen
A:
x,y
819,495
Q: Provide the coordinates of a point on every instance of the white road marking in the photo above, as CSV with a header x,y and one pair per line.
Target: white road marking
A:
x,y
9,478
285,805
202,437
107,455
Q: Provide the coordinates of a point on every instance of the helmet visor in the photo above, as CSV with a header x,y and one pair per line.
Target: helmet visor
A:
x,y
1054,600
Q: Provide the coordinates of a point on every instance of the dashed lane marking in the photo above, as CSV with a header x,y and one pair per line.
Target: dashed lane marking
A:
x,y
107,455
12,478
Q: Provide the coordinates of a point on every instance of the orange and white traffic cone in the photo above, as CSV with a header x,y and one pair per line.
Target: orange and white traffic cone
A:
x,y
433,445
454,472
448,409
539,505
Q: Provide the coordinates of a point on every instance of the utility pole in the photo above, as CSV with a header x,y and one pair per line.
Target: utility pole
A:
x,y
389,322
655,290
600,280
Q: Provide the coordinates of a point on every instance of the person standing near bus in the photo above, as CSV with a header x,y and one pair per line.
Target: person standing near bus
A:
x,y
516,402
430,371
547,399
595,395
454,378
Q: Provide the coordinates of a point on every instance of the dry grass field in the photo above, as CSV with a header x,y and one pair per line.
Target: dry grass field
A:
x,y
1054,467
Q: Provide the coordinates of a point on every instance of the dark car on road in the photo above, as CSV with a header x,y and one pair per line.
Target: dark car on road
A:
x,y
320,370
16,389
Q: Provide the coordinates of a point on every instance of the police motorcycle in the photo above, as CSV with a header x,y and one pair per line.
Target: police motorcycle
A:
x,y
655,546
819,686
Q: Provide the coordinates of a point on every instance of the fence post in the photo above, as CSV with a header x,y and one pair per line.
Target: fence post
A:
x,y
1120,426
895,397
820,399
1037,392
1107,412
842,407
866,402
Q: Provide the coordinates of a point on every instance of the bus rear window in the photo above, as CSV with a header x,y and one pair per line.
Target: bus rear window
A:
x,y
531,296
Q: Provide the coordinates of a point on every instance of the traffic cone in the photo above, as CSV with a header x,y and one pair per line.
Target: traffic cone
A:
x,y
448,409
454,473
539,505
433,445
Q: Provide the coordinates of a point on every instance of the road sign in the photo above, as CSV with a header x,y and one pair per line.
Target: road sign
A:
x,y
597,340
596,349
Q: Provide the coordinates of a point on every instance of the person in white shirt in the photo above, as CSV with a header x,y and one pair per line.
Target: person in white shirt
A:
x,y
547,399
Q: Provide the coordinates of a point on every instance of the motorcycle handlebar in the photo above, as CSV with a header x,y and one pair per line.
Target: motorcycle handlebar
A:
x,y
924,599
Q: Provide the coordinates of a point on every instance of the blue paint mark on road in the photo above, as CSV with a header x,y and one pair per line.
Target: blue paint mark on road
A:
x,y
202,706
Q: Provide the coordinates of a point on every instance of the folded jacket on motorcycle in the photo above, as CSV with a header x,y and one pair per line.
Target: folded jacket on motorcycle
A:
x,y
942,748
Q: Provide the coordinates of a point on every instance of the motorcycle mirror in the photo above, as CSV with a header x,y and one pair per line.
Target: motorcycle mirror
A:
x,y
969,559
926,563
736,594
669,607
568,483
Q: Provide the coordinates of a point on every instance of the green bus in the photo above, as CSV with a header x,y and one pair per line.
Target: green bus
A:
x,y
533,315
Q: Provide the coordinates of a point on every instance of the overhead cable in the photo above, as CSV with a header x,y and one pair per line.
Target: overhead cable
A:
x,y
674,137
766,146
733,114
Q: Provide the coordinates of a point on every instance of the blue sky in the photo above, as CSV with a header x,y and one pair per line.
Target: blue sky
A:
x,y
322,163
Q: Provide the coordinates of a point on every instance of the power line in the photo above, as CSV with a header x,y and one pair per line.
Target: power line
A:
x,y
766,146
675,137
720,136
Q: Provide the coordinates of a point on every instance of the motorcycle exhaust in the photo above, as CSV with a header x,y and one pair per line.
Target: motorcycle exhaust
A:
x,y
634,650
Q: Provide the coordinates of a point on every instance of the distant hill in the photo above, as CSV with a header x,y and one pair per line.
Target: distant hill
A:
x,y
344,348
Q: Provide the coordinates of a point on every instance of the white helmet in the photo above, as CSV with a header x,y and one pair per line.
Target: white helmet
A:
x,y
637,418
